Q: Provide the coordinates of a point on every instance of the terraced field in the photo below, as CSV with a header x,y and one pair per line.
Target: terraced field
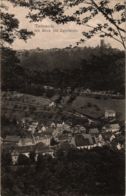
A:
x,y
20,105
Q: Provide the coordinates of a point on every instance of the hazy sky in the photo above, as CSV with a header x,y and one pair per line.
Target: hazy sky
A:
x,y
51,39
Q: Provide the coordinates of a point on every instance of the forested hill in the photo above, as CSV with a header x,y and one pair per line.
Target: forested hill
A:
x,y
67,58
99,68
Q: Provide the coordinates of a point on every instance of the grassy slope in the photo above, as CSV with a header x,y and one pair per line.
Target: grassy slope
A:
x,y
97,107
20,105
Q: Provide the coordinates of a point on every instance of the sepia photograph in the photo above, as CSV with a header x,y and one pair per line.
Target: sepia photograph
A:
x,y
63,97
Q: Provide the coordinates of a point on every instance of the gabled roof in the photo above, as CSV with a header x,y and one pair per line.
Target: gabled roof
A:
x,y
93,131
114,125
110,111
26,140
10,138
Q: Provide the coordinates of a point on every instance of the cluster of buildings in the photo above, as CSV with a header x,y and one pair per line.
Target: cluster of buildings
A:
x,y
83,91
45,139
106,93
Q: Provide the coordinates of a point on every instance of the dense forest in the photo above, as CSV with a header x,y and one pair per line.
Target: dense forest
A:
x,y
97,69
99,171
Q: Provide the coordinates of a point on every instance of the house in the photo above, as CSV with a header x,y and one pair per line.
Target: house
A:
x,y
76,129
93,131
112,137
55,132
87,91
82,141
113,127
43,128
59,125
90,121
53,125
119,146
66,127
32,127
48,87
26,120
110,114
14,156
82,129
52,104
26,142
35,123
100,138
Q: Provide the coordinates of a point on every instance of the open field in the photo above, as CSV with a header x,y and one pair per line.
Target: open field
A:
x,y
96,107
17,105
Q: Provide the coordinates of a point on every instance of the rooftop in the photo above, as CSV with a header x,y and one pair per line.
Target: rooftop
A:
x,y
84,140
93,131
110,111
13,138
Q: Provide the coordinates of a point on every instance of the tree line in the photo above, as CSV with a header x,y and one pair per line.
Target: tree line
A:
x,y
104,70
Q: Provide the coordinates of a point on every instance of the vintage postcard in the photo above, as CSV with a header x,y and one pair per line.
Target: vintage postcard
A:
x,y
63,97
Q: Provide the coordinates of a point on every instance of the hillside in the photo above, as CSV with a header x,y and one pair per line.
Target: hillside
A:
x,y
67,58
95,68
50,59
19,105
96,107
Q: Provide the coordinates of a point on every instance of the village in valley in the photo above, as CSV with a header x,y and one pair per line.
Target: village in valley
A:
x,y
72,130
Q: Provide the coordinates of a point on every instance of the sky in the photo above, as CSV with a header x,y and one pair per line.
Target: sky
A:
x,y
50,35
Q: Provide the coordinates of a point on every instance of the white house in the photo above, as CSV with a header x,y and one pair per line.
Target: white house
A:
x,y
119,146
52,104
43,129
112,137
110,114
100,138
93,131
53,125
114,127
26,142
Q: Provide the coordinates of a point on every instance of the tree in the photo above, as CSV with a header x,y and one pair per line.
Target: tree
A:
x,y
10,63
83,12
104,66
10,28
